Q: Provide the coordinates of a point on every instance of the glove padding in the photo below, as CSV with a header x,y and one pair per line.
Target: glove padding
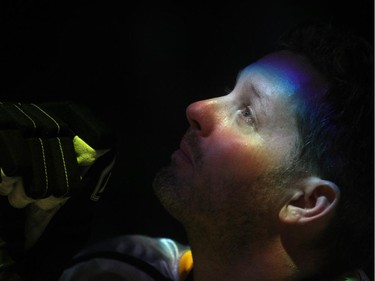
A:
x,y
47,149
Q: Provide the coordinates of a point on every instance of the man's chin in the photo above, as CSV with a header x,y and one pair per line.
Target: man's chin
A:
x,y
169,189
164,179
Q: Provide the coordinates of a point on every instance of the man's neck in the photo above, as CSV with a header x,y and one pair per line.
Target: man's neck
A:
x,y
263,263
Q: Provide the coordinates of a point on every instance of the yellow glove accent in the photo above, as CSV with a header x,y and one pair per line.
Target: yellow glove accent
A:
x,y
86,155
185,265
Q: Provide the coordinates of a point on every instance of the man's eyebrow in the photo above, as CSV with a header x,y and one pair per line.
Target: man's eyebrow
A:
x,y
255,91
250,87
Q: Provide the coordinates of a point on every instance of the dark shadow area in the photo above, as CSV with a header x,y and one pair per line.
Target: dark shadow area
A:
x,y
138,66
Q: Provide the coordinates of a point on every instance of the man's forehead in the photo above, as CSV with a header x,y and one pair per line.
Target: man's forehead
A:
x,y
285,72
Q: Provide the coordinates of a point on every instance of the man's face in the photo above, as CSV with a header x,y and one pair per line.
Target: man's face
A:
x,y
230,160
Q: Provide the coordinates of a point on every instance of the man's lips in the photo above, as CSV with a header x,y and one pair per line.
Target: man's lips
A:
x,y
185,152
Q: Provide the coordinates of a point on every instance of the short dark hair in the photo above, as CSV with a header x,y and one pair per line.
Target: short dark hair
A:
x,y
337,134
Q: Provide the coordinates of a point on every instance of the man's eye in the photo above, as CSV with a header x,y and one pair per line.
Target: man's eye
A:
x,y
247,115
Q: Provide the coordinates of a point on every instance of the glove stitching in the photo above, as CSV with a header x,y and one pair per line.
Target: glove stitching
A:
x,y
45,165
64,165
49,116
26,115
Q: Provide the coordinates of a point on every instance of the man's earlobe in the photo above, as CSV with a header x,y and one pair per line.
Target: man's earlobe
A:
x,y
316,200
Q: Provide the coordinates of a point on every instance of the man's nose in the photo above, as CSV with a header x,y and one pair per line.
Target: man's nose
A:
x,y
203,115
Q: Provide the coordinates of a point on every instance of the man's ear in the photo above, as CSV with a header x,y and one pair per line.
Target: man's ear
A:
x,y
316,199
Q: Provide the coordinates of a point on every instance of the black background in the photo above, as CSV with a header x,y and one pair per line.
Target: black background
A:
x,y
138,65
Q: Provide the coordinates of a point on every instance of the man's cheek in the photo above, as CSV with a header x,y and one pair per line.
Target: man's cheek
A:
x,y
238,159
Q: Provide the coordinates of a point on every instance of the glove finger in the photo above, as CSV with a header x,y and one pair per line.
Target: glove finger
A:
x,y
7,183
46,125
50,202
53,166
17,197
65,175
83,122
55,169
12,117
31,120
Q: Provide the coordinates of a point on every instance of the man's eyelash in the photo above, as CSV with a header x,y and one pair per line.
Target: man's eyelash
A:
x,y
247,115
